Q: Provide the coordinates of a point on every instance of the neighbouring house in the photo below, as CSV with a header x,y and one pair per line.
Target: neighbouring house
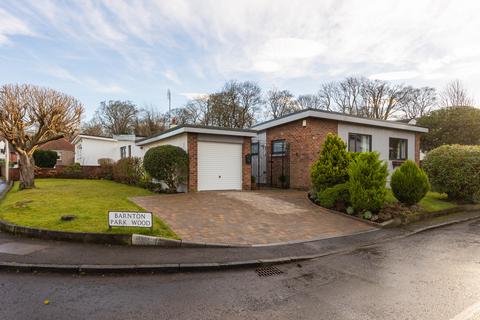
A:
x,y
89,149
64,149
285,148
219,158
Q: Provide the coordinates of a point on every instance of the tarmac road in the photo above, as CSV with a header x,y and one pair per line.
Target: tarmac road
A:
x,y
431,275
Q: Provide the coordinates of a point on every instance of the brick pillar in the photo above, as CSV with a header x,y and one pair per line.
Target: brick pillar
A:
x,y
417,147
246,168
192,161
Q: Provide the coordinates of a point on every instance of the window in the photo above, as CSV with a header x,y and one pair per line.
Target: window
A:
x,y
129,151
278,147
123,152
398,149
254,149
359,142
59,155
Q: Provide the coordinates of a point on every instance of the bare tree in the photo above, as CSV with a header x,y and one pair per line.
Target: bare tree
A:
x,y
31,116
93,128
381,100
117,117
280,103
418,102
455,95
309,101
150,122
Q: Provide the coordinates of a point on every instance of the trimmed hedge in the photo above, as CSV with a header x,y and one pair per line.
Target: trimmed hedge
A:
x,y
331,167
330,197
454,170
367,180
45,158
409,183
168,164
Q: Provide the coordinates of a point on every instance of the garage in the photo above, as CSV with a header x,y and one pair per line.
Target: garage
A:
x,y
219,166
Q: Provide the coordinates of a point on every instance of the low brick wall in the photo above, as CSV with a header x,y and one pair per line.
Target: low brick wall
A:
x,y
88,172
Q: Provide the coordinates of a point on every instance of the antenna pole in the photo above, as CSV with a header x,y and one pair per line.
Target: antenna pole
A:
x,y
169,97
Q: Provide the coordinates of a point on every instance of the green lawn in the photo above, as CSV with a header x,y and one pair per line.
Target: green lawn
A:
x,y
88,200
433,201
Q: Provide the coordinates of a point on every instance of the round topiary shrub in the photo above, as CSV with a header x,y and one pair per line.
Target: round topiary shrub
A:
x,y
409,183
168,164
45,158
454,170
367,180
331,167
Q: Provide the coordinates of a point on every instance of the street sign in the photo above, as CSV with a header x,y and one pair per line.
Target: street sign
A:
x,y
130,219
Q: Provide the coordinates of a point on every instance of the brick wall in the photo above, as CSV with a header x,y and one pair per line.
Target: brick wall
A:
x,y
192,142
417,147
304,145
246,168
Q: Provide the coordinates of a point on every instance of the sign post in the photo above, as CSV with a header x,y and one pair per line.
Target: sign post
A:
x,y
130,219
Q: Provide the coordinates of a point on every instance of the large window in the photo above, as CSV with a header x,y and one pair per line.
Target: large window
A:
x,y
398,149
254,149
359,142
123,152
278,147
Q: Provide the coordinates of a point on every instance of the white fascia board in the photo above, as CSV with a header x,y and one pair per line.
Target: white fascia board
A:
x,y
181,130
339,117
80,136
224,132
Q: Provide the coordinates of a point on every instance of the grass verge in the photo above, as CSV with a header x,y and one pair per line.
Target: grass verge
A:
x,y
433,201
88,200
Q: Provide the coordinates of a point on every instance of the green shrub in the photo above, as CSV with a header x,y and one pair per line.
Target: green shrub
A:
x,y
168,164
331,167
45,158
107,167
454,170
409,183
329,197
128,170
350,210
367,179
72,171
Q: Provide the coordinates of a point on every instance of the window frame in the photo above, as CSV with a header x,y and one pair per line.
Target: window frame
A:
x,y
350,134
277,154
123,152
258,148
390,150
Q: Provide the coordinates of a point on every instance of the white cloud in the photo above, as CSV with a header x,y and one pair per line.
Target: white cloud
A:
x,y
172,76
193,95
395,75
10,26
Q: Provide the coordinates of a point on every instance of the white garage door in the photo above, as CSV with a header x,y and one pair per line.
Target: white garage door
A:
x,y
219,166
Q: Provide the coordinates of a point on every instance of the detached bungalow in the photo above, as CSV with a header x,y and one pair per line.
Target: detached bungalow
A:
x,y
285,148
88,149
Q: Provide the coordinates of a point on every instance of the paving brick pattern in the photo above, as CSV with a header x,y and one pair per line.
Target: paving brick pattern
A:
x,y
259,217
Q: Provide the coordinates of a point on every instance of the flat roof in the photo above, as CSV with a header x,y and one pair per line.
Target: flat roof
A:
x,y
197,129
313,113
80,136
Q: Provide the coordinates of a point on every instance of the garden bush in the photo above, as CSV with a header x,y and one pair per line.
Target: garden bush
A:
x,y
331,167
107,167
330,197
45,158
168,164
366,184
128,170
409,183
454,170
72,171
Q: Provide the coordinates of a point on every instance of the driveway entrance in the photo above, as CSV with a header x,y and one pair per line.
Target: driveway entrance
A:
x,y
237,217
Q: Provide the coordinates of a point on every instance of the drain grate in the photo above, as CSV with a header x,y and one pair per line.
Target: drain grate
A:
x,y
268,271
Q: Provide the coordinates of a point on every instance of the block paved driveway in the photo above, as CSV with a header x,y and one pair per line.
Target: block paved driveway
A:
x,y
255,217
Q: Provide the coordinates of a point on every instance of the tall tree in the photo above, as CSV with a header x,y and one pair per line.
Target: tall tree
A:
x,y
31,116
149,122
455,95
117,117
280,103
93,128
452,125
418,102
309,101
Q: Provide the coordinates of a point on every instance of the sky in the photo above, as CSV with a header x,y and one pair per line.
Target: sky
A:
x,y
136,50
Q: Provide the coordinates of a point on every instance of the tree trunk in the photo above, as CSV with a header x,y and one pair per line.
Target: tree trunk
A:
x,y
27,171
